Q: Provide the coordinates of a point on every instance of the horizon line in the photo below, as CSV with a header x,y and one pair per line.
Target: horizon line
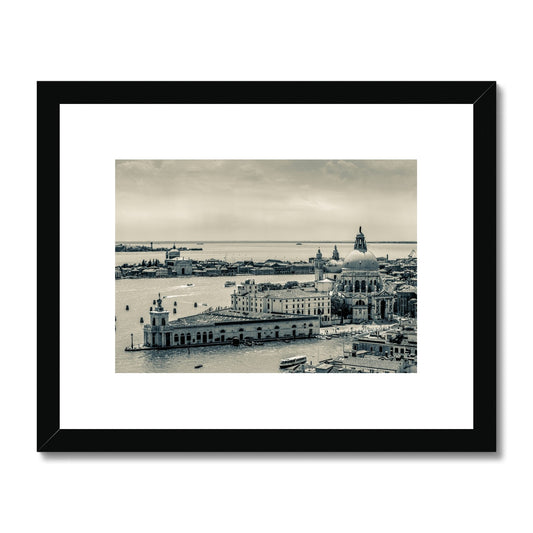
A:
x,y
272,241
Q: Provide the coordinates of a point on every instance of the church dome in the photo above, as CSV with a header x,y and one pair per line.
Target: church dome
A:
x,y
333,266
361,260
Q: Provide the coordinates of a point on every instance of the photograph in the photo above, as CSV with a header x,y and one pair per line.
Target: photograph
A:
x,y
266,266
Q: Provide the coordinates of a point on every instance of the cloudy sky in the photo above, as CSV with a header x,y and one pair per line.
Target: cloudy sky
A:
x,y
309,200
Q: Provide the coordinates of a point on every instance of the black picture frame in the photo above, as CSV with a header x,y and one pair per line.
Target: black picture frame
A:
x,y
52,438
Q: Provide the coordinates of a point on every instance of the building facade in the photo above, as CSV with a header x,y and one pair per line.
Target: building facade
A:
x,y
357,281
224,326
177,265
250,298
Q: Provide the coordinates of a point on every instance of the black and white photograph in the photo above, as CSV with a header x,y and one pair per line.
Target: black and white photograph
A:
x,y
266,266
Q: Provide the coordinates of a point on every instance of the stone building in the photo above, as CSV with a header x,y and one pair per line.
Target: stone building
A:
x,y
357,281
177,265
250,297
224,326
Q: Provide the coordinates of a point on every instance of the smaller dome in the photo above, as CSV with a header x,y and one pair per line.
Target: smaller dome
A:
x,y
333,266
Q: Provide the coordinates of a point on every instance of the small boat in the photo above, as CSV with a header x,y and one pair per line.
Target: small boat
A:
x,y
198,366
293,361
229,284
190,284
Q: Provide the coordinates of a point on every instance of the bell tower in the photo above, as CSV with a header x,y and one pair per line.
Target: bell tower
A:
x,y
158,320
319,265
360,241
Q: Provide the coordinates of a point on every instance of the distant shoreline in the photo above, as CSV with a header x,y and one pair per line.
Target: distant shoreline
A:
x,y
282,242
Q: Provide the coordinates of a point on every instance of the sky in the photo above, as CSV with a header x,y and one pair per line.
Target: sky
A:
x,y
271,200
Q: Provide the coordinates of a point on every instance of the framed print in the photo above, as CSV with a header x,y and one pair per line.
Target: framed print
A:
x,y
266,234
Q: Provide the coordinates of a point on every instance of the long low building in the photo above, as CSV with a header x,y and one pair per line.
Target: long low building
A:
x,y
224,326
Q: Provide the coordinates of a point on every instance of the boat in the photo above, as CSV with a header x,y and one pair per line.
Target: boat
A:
x,y
298,244
293,361
190,284
229,284
198,366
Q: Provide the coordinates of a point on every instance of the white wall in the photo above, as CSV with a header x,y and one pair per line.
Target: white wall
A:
x,y
278,40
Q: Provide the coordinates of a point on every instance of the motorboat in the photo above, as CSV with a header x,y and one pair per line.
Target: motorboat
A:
x,y
293,361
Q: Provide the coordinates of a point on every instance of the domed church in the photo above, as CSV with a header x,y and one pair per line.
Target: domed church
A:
x,y
358,282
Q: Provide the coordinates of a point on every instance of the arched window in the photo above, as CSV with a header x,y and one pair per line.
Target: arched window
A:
x,y
176,338
198,336
363,286
276,327
188,338
182,339
356,288
259,329
294,325
210,335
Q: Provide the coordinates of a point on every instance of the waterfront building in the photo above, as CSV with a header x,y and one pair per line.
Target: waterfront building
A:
x,y
177,265
358,282
296,301
396,344
361,365
224,326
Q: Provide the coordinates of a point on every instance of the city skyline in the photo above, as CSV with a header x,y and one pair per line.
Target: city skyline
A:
x,y
265,200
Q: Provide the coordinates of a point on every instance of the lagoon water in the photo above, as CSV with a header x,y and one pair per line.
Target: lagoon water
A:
x,y
138,295
261,251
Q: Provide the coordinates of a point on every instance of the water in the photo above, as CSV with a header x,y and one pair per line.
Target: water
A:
x,y
139,294
261,251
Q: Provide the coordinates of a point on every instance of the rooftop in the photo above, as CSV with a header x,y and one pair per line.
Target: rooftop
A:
x,y
225,316
294,293
374,362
